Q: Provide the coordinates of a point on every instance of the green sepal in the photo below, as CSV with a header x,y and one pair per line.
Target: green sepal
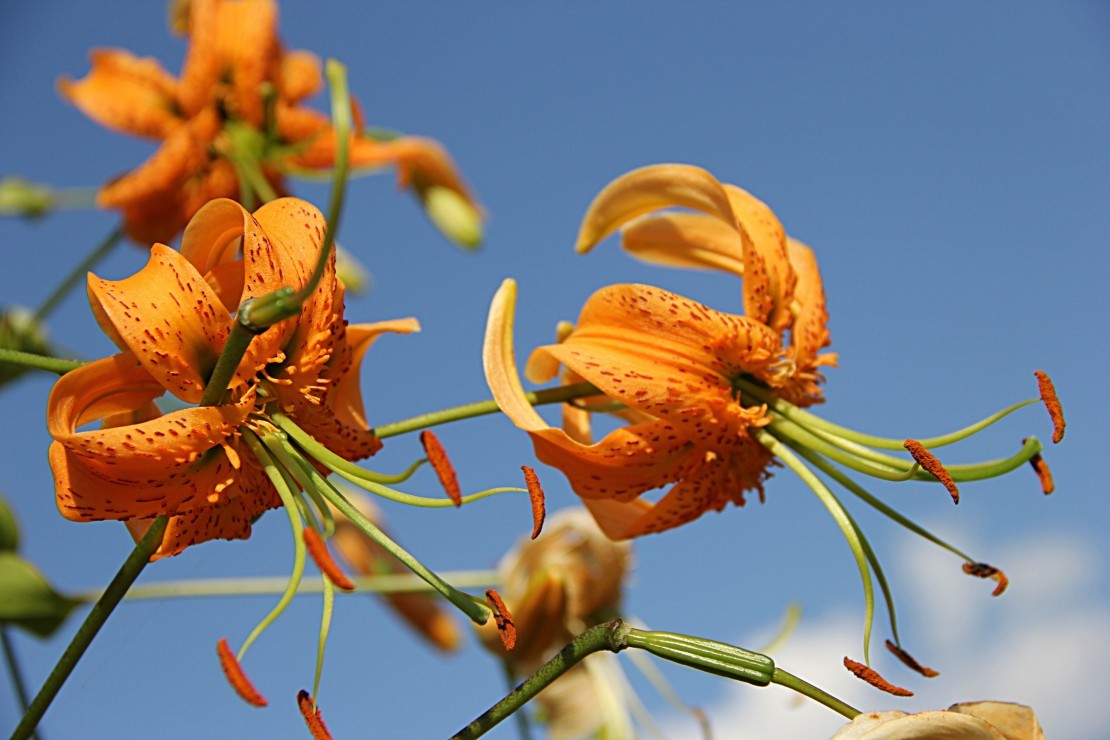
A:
x,y
28,600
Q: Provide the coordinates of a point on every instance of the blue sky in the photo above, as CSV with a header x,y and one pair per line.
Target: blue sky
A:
x,y
946,162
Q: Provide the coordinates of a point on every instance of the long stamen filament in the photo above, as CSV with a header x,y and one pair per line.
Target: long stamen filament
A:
x,y
814,422
836,474
334,462
839,515
892,470
325,627
368,480
291,509
476,611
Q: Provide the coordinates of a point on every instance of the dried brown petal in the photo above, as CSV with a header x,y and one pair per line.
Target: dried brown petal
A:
x,y
871,676
236,677
1052,403
983,570
437,457
312,716
929,461
909,661
503,619
536,494
320,555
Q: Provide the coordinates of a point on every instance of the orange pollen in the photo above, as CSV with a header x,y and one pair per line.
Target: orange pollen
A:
x,y
503,619
1043,473
536,494
983,570
871,676
320,555
1052,403
929,461
437,456
909,661
235,676
312,716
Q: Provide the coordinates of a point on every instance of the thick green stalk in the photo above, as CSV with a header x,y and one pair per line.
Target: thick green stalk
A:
x,y
39,362
481,408
233,351
610,636
782,678
99,614
78,273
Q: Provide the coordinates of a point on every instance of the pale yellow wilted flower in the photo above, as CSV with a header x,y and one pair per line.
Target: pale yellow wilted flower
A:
x,y
979,720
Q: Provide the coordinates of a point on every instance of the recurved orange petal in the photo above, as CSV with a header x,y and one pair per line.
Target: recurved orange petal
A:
x,y
346,398
229,519
648,189
162,465
126,93
168,317
810,332
768,277
691,240
666,355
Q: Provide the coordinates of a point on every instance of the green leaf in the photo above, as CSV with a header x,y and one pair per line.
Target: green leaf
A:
x,y
27,600
9,527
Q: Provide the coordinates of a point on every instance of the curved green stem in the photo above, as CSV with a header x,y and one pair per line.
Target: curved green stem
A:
x,y
839,515
227,363
39,362
481,408
889,468
88,630
78,273
332,461
12,663
792,412
288,499
399,583
790,681
610,636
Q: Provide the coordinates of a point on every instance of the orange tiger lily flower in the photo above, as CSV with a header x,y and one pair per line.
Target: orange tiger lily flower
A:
x,y
672,361
170,321
234,123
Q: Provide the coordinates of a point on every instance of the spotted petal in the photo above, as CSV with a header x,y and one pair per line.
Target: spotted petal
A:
x,y
162,465
691,240
133,95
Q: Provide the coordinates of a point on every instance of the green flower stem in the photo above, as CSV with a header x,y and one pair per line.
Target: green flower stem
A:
x,y
790,681
710,656
228,362
836,474
99,614
816,423
336,75
399,583
78,274
523,726
39,362
610,636
839,515
12,663
481,408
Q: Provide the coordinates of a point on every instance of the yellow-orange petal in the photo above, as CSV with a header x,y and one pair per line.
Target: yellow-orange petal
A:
x,y
810,332
168,317
300,75
768,276
691,240
134,95
668,356
499,361
648,189
346,398
230,519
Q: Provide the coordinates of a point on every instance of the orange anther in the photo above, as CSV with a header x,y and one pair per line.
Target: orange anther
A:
x,y
236,677
871,676
439,461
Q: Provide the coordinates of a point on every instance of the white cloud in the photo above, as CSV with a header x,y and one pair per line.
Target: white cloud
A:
x,y
1044,643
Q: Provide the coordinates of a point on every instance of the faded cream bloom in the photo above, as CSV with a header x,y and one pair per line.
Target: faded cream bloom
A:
x,y
978,720
556,586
